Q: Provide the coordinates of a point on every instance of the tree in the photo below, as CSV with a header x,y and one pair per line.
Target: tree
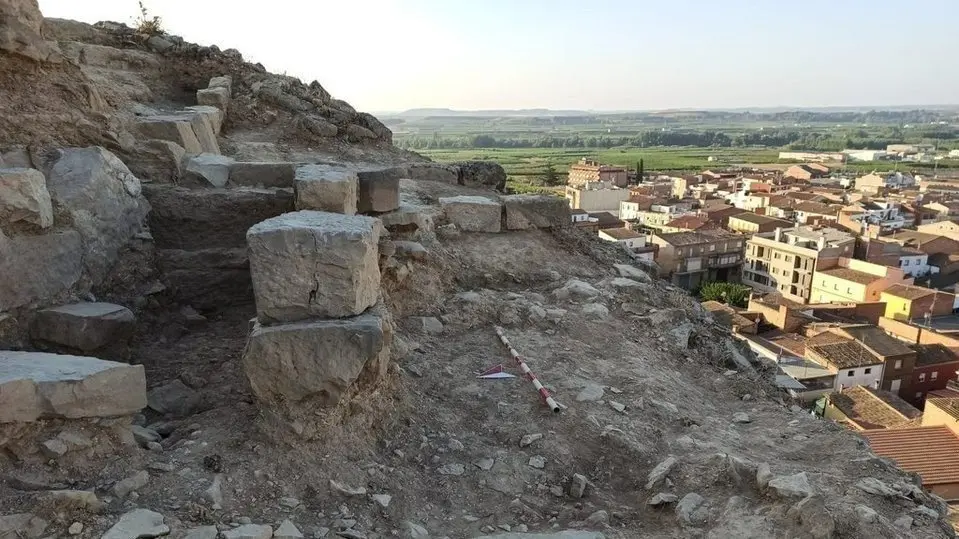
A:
x,y
639,171
550,177
733,294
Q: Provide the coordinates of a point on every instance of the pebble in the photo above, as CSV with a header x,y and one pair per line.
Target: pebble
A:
x,y
383,499
161,467
529,439
484,464
598,518
618,406
451,469
537,461
75,529
154,446
505,527
456,445
578,487
590,393
344,523
662,499
741,417
321,533
556,490
347,490
522,528
289,503
470,518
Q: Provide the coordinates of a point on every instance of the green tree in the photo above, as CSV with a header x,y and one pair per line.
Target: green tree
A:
x,y
550,177
733,294
639,171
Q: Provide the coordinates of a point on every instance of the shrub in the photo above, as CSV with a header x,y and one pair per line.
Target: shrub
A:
x,y
733,294
147,25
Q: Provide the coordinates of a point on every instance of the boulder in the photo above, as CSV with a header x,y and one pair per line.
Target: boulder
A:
x,y
38,269
323,188
317,126
434,172
481,174
24,197
138,524
170,127
791,486
473,213
316,360
536,211
20,23
173,398
210,218
214,97
36,385
410,249
158,161
206,170
373,124
358,133
213,115
84,326
377,192
102,200
632,272
692,509
310,263
262,174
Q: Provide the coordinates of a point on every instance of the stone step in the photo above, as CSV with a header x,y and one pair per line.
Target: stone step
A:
x,y
84,326
35,385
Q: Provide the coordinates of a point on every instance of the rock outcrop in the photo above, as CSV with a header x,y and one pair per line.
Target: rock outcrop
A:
x,y
20,22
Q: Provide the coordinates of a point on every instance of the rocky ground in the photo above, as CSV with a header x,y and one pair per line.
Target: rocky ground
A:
x,y
666,427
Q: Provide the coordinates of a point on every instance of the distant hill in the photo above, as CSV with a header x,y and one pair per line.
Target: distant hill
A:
x,y
505,113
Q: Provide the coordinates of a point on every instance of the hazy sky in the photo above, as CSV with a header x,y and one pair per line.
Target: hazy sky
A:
x,y
384,55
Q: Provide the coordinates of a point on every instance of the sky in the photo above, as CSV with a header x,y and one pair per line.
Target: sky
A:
x,y
393,55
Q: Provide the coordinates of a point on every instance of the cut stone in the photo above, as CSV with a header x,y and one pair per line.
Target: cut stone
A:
x,y
84,326
262,174
24,197
316,360
178,129
536,211
310,263
206,170
377,192
434,172
214,97
473,213
37,385
38,269
223,81
407,218
212,114
204,130
323,188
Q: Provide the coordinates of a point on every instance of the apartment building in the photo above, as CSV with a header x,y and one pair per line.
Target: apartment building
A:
x,y
786,262
596,196
587,170
855,281
751,223
692,258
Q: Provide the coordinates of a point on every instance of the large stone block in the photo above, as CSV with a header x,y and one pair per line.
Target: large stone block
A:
x,y
210,218
84,326
103,201
434,172
408,219
213,115
38,269
473,213
223,81
324,188
536,211
379,191
309,263
206,170
262,174
178,129
24,197
316,360
214,97
202,125
36,385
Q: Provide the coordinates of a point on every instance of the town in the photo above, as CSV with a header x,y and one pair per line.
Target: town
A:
x,y
848,284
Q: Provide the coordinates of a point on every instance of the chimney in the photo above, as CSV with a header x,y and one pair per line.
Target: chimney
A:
x,y
822,242
779,233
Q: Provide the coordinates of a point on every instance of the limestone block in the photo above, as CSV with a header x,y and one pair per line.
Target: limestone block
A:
x,y
37,269
323,188
473,213
214,97
211,113
24,197
316,360
262,174
310,263
36,385
174,128
84,326
206,170
434,172
223,81
536,211
378,192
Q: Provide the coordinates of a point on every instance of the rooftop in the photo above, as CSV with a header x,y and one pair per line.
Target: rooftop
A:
x,y
606,218
932,452
852,275
845,354
680,239
949,405
907,291
933,354
833,236
877,340
690,222
622,233
757,219
874,409
816,207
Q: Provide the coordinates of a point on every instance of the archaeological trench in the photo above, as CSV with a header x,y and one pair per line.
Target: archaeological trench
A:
x,y
229,307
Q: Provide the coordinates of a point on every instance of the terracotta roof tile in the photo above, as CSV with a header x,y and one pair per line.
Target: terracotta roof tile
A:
x,y
855,276
908,291
874,409
932,452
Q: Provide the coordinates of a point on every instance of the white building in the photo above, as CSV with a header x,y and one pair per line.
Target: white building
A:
x,y
915,263
866,155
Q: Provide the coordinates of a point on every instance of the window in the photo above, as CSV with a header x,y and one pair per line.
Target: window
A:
x,y
776,256
901,262
848,290
922,377
789,258
933,375
867,371
851,373
907,262
835,286
712,247
898,364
